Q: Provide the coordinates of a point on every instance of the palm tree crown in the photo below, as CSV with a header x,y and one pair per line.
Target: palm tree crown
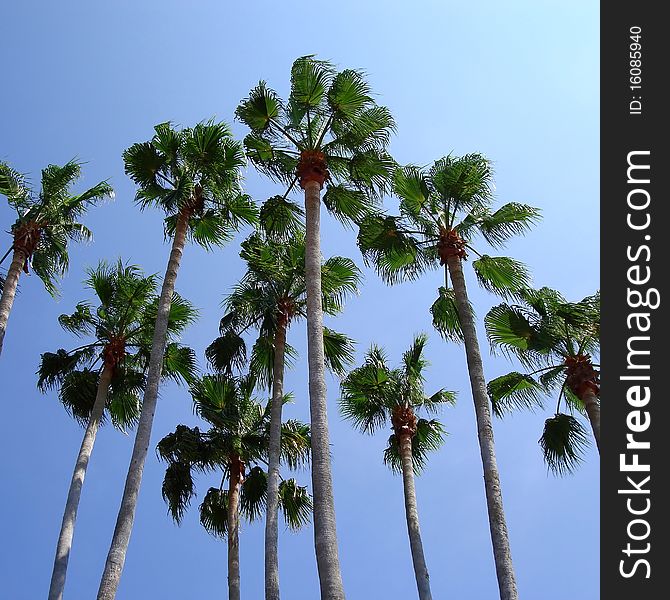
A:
x,y
375,394
119,333
193,172
442,210
272,294
330,130
236,446
47,221
555,340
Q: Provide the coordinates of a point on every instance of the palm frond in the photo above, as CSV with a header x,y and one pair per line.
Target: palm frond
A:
x,y
81,322
178,489
349,94
280,218
509,329
339,351
254,493
54,366
227,353
348,205
77,394
563,443
395,254
214,512
179,364
295,445
509,220
501,275
14,186
258,110
515,391
445,316
296,504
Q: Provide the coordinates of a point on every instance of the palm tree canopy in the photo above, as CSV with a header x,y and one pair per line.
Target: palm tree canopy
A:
x,y
238,434
273,292
47,221
197,170
329,130
374,395
442,210
117,331
542,331
550,337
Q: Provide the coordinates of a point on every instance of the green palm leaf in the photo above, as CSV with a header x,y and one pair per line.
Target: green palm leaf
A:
x,y
178,489
214,512
254,492
445,316
501,275
296,504
515,391
563,443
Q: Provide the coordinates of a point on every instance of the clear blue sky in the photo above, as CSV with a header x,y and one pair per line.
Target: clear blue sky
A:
x,y
517,81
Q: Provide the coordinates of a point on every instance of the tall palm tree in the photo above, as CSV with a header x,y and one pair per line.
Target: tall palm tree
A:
x,y
441,210
45,223
555,339
194,176
374,395
105,375
236,445
329,132
269,298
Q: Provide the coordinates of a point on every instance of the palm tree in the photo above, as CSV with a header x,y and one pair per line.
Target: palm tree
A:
x,y
236,445
269,298
441,211
330,131
45,224
194,176
105,375
555,339
374,395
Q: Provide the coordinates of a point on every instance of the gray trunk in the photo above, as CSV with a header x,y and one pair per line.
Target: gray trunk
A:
x,y
124,522
274,452
499,535
325,534
412,516
593,411
234,538
9,291
74,494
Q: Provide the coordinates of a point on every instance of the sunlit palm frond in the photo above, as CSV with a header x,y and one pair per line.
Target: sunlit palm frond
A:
x,y
515,391
500,275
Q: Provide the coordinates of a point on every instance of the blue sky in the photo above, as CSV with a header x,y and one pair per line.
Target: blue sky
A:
x,y
517,81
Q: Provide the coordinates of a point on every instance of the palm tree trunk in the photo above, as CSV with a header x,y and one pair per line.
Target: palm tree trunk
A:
x,y
592,406
9,290
234,531
274,452
124,522
499,534
412,516
74,494
325,533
